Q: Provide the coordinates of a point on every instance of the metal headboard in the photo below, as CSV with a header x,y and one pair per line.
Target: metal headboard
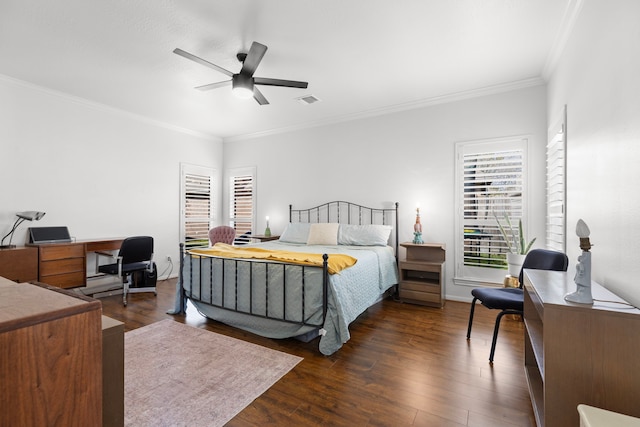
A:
x,y
349,213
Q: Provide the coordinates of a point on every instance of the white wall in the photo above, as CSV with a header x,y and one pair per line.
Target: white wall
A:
x,y
101,172
406,157
598,79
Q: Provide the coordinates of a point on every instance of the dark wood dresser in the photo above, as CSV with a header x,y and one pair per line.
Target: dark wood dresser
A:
x,y
50,357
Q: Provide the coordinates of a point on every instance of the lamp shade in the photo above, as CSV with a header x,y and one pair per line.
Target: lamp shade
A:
x,y
30,215
582,230
242,86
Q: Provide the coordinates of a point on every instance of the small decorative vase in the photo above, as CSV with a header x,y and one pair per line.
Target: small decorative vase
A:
x,y
515,262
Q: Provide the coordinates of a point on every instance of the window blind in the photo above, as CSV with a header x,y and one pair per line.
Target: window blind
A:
x,y
197,206
492,188
556,184
241,204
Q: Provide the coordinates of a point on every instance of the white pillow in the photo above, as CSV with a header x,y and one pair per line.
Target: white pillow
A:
x,y
323,234
364,235
296,232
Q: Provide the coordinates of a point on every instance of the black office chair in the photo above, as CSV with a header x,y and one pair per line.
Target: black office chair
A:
x,y
135,255
511,300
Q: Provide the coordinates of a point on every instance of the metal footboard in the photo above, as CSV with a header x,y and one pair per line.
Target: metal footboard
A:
x,y
225,293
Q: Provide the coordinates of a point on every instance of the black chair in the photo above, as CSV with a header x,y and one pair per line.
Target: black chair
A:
x,y
244,239
511,300
135,255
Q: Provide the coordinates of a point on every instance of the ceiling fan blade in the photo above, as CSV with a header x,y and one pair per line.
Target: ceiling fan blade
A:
x,y
277,82
201,61
213,85
258,96
253,59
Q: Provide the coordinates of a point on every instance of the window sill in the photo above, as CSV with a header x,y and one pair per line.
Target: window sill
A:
x,y
475,283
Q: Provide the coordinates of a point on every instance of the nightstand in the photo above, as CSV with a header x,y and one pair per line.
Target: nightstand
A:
x,y
263,238
422,274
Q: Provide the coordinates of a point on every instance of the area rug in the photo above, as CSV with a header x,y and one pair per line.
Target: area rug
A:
x,y
179,375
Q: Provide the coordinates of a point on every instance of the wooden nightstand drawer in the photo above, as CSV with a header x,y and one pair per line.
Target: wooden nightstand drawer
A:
x,y
429,288
422,297
421,266
52,252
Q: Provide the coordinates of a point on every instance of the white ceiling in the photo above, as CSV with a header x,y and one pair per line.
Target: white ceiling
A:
x,y
360,57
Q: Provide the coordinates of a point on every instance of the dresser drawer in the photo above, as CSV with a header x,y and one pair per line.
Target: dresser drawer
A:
x,y
65,280
73,250
69,265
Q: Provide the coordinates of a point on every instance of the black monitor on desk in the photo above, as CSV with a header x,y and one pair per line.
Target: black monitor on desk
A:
x,y
39,235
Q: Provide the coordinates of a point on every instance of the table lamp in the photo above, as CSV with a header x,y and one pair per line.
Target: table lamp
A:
x,y
22,216
267,231
582,295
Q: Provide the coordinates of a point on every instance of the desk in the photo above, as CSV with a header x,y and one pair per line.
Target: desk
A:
x,y
64,265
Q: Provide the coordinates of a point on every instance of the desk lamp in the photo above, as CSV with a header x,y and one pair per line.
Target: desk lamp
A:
x,y
22,216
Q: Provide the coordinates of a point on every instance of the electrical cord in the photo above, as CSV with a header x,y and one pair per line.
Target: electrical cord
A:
x,y
170,268
630,306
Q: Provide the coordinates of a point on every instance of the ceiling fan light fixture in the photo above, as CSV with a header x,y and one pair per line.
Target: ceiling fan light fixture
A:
x,y
242,86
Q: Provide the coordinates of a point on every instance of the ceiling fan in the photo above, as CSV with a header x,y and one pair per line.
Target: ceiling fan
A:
x,y
243,83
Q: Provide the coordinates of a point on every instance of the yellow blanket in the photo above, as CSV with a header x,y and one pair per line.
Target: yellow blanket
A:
x,y
336,262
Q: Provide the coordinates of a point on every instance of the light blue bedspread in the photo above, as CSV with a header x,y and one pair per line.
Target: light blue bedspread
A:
x,y
351,292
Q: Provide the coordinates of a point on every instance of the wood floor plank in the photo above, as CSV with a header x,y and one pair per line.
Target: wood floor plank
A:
x,y
405,365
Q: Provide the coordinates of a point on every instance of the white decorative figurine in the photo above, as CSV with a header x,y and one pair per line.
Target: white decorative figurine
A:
x,y
582,295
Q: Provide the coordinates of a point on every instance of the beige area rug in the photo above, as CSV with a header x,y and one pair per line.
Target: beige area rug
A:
x,y
179,375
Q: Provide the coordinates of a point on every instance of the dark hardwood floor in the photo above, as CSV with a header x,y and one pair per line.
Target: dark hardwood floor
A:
x,y
404,365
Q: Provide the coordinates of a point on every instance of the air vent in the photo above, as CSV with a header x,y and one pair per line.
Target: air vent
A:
x,y
308,99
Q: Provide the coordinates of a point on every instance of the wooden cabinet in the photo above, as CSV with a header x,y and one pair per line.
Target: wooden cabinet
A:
x,y
19,264
62,264
578,353
422,274
50,357
112,372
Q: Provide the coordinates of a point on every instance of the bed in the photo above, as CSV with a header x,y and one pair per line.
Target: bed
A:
x,y
331,263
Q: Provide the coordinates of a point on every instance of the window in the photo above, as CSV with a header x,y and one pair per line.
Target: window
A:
x,y
556,227
490,184
196,201
242,201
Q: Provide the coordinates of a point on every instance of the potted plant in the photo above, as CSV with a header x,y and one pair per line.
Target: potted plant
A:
x,y
516,243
